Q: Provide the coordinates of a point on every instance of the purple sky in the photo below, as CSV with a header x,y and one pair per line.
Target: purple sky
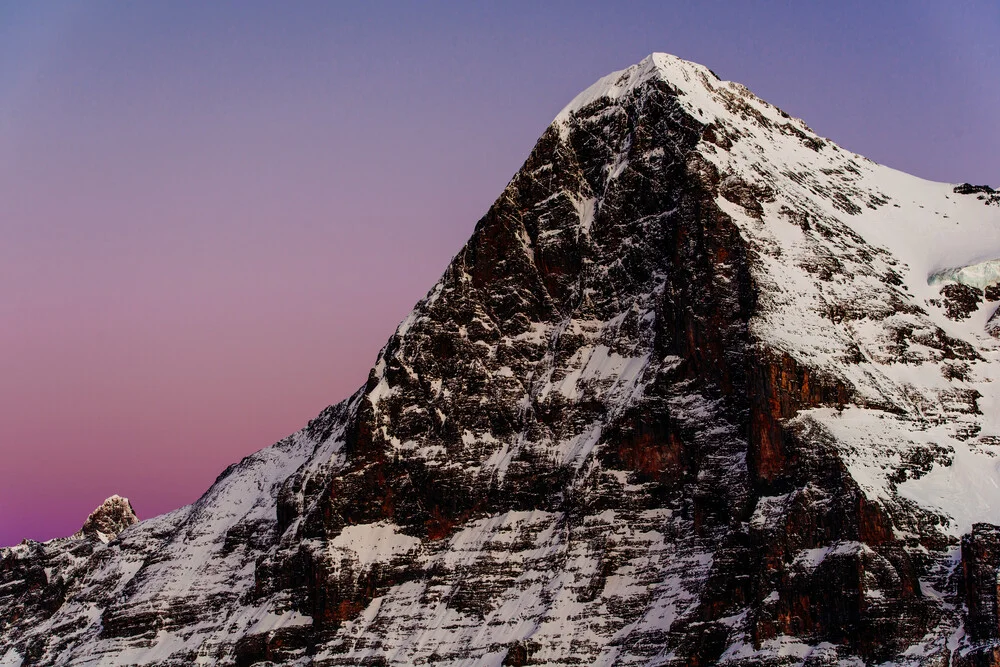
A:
x,y
213,215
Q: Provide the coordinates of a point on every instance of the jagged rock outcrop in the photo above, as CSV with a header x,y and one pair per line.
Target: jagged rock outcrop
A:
x,y
686,397
113,516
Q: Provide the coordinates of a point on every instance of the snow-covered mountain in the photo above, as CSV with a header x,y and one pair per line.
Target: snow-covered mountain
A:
x,y
702,388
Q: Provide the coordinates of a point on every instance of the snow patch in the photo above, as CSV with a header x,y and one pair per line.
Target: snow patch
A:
x,y
968,490
374,542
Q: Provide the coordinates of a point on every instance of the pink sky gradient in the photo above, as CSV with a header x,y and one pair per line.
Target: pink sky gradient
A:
x,y
213,216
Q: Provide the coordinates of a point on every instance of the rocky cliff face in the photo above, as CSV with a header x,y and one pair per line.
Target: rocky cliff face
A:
x,y
686,397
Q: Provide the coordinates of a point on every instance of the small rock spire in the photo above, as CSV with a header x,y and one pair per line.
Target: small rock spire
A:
x,y
113,516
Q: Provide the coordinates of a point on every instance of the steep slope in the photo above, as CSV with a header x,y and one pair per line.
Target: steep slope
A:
x,y
689,395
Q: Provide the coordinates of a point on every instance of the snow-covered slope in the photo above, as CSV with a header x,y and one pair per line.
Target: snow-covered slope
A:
x,y
702,388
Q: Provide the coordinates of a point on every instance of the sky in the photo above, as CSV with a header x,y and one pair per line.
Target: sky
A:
x,y
213,215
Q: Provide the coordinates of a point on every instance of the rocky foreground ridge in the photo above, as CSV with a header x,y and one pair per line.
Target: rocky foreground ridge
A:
x,y
688,396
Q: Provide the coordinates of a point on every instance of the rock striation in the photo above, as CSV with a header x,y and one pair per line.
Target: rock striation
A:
x,y
687,396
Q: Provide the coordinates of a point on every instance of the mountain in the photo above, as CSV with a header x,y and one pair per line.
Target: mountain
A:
x,y
702,388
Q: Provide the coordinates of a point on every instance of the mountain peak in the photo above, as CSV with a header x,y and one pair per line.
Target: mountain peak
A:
x,y
109,519
661,66
701,92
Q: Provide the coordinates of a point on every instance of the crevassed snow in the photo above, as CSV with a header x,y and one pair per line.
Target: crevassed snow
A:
x,y
979,275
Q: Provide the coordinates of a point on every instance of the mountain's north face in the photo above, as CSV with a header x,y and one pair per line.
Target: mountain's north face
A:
x,y
702,388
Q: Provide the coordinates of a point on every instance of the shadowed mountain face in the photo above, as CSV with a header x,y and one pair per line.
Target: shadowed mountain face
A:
x,y
686,397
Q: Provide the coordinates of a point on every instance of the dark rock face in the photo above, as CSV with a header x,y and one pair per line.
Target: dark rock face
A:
x,y
980,567
647,416
961,301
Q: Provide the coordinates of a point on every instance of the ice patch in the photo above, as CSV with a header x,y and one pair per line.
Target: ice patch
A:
x,y
979,275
